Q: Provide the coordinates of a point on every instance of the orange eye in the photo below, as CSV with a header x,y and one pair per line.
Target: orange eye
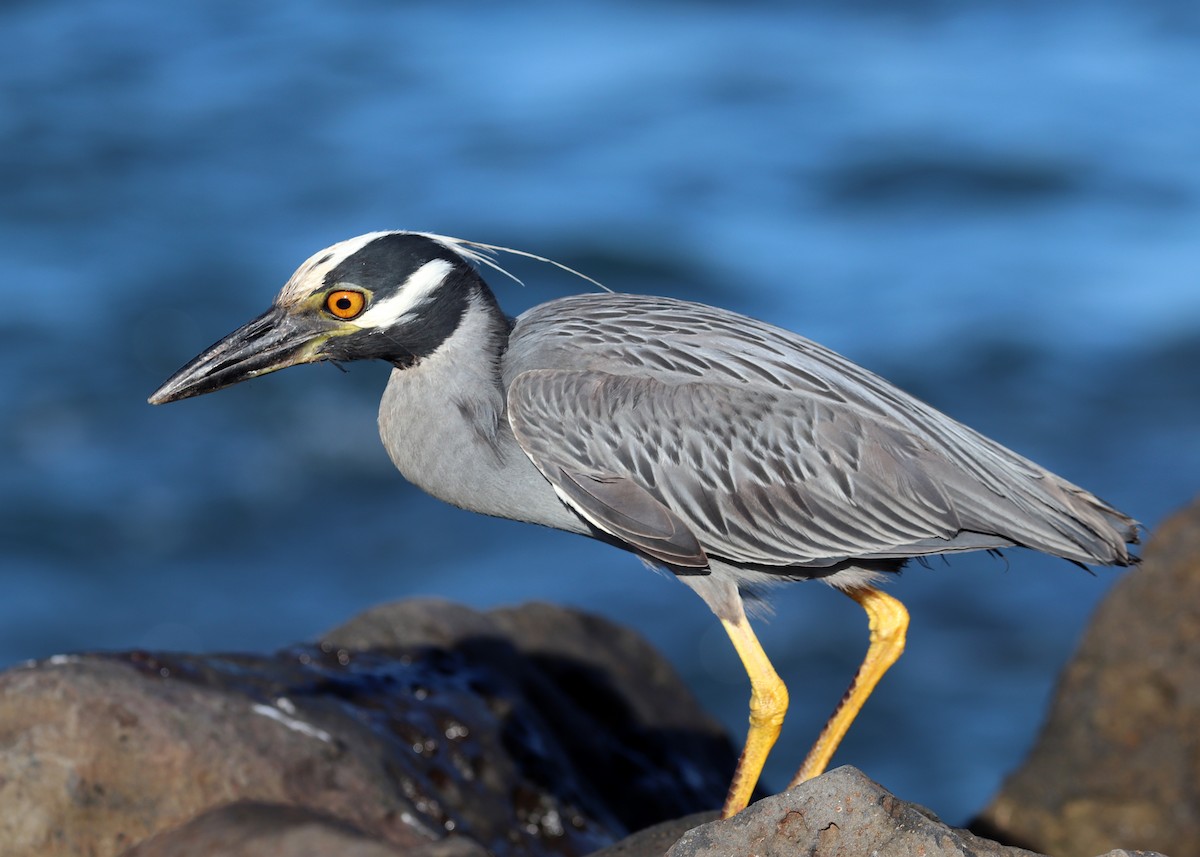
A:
x,y
345,304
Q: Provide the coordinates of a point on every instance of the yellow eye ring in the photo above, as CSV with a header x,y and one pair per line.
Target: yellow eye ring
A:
x,y
345,304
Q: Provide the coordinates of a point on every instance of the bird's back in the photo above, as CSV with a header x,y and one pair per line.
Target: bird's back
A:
x,y
992,496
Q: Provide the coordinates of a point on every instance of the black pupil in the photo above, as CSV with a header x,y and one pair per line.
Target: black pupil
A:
x,y
343,303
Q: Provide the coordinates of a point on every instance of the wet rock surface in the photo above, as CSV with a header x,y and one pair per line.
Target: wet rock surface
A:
x,y
1118,761
532,730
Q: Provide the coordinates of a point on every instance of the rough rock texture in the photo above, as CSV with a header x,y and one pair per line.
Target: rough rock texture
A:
x,y
528,731
1118,762
840,814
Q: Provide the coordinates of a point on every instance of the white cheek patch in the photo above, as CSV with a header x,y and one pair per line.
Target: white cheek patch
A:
x,y
418,289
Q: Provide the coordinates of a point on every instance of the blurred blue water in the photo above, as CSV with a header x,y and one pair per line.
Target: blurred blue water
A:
x,y
997,207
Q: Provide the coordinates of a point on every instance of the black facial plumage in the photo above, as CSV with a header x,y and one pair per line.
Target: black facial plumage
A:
x,y
382,267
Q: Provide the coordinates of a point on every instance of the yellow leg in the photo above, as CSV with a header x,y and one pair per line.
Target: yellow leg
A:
x,y
889,623
768,704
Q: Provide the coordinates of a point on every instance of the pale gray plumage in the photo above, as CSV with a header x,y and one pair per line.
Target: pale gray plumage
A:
x,y
773,450
729,451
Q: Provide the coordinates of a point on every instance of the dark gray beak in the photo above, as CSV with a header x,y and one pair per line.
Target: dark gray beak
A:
x,y
274,340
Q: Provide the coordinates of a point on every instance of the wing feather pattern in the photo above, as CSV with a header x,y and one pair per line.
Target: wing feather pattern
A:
x,y
751,476
622,508
772,449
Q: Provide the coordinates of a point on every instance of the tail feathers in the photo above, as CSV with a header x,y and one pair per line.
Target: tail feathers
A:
x,y
1026,506
1049,514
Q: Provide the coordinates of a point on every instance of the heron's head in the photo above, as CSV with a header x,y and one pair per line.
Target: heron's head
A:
x,y
395,296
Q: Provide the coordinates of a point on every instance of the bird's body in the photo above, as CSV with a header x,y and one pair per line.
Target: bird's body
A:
x,y
710,411
727,450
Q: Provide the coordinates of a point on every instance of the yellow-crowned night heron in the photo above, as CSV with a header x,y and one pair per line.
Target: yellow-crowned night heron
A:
x,y
730,452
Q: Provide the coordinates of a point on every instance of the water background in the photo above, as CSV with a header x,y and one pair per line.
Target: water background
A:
x,y
996,206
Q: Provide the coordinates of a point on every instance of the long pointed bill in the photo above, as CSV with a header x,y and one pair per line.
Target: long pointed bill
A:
x,y
274,340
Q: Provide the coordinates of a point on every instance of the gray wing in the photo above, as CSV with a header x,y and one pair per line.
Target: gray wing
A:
x,y
771,448
749,475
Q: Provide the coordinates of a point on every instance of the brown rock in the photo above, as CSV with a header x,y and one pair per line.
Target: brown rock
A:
x,y
839,814
521,731
252,829
1118,762
99,754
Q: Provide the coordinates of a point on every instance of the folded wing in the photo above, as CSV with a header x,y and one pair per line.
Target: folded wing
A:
x,y
766,477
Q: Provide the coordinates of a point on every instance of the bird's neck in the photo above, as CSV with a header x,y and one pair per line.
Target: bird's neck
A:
x,y
464,366
443,422
462,313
